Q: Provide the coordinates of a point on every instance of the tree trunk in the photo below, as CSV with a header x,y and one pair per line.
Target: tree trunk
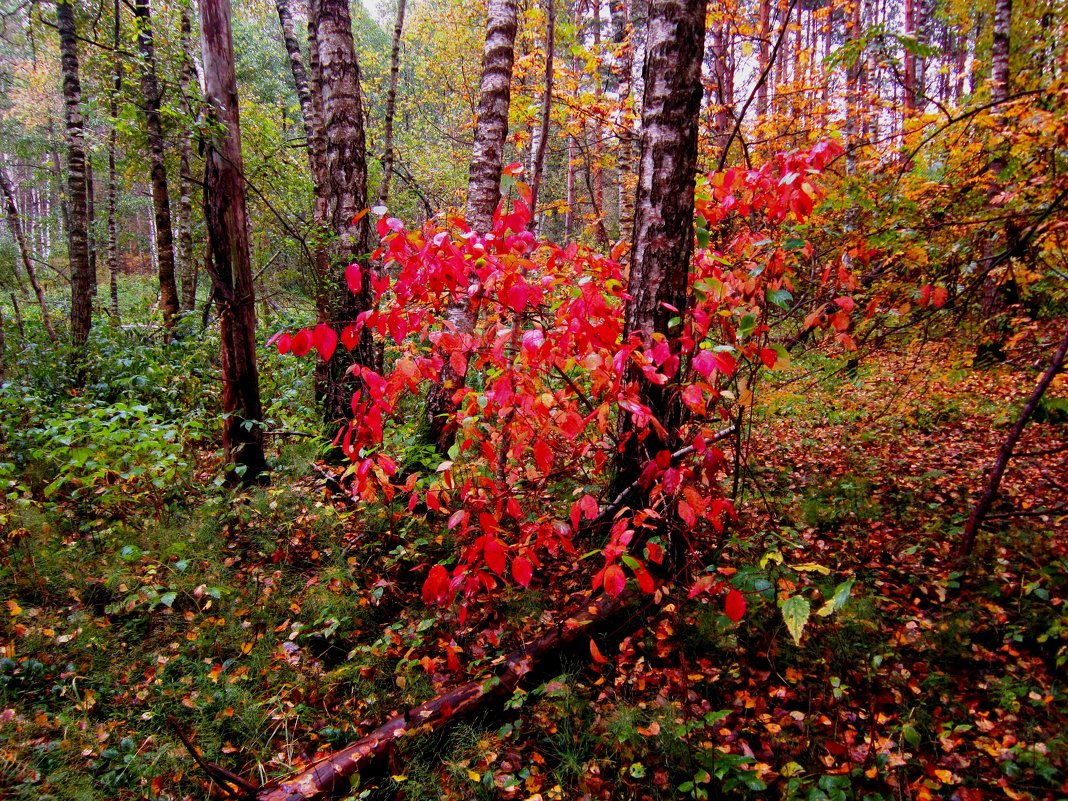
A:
x,y
228,259
663,225
626,181
762,59
483,193
345,195
161,204
995,293
391,106
309,110
187,261
990,492
538,162
113,183
81,306
90,221
999,51
24,254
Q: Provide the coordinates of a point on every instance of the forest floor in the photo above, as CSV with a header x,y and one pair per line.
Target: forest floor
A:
x,y
284,623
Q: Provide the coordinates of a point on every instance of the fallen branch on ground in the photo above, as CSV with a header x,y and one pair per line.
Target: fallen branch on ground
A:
x,y
331,773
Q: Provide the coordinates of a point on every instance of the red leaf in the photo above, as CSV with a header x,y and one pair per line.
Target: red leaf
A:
x,y
517,295
354,277
769,357
939,296
522,571
543,456
645,579
614,580
350,337
734,605
302,342
654,552
436,586
704,584
686,513
494,553
284,343
589,507
845,303
325,340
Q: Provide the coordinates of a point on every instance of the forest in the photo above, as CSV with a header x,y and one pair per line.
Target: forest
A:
x,y
533,399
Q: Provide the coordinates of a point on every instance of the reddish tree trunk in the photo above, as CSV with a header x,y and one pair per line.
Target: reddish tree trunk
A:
x,y
228,259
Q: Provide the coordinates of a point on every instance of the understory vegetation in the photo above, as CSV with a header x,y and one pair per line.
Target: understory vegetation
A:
x,y
273,623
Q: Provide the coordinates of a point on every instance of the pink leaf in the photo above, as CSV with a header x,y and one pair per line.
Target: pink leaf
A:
x,y
354,278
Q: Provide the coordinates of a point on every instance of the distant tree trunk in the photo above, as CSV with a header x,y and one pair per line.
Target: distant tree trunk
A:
x,y
391,105
595,154
113,182
723,75
569,213
187,261
90,208
81,306
663,226
624,34
24,254
161,204
228,259
483,192
345,195
309,110
538,166
995,293
762,60
999,51
852,101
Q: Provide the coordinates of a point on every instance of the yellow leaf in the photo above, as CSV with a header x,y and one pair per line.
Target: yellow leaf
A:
x,y
14,609
474,775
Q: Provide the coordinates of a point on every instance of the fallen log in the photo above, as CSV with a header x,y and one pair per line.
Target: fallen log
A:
x,y
331,773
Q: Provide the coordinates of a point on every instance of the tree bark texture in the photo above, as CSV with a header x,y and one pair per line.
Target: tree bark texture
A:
x,y
664,209
228,259
187,261
331,775
81,309
990,492
391,106
538,162
14,221
345,195
309,110
483,192
999,51
161,204
113,181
